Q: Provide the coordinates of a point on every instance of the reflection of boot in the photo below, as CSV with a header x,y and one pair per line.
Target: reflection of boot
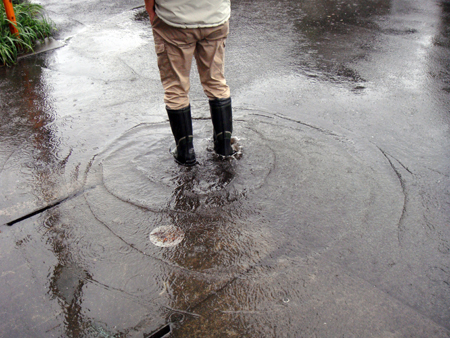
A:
x,y
223,125
181,124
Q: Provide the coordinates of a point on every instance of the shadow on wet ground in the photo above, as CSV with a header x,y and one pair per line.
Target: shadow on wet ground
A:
x,y
333,222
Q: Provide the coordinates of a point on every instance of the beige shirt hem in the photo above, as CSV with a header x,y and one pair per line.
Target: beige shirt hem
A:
x,y
197,25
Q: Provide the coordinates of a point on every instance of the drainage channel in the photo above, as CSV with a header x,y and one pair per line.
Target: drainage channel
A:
x,y
161,333
49,206
165,331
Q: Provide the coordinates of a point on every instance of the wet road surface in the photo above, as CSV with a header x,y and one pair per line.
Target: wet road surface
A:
x,y
334,222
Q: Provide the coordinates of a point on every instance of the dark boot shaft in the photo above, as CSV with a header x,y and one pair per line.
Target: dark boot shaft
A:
x,y
222,119
180,122
181,125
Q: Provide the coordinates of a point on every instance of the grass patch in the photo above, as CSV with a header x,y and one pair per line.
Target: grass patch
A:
x,y
33,26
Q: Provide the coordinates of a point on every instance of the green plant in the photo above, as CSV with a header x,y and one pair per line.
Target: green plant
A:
x,y
32,25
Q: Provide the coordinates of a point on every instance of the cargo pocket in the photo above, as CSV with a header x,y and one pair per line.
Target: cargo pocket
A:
x,y
165,69
160,48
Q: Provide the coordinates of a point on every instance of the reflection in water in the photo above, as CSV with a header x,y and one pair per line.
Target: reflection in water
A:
x,y
199,205
202,206
205,207
193,190
67,284
28,129
68,281
68,277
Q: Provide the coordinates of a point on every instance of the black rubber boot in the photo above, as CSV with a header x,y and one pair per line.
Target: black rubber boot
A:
x,y
222,120
181,124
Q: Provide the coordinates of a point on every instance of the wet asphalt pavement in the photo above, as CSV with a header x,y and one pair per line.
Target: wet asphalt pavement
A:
x,y
334,222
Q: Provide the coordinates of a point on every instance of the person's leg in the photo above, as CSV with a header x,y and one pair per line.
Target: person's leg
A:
x,y
210,56
175,48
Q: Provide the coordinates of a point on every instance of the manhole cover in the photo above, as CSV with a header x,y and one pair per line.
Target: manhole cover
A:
x,y
166,235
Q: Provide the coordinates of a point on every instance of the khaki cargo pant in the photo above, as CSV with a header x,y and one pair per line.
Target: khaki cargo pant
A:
x,y
175,48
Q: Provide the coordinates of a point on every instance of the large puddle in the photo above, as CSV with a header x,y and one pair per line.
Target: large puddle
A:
x,y
294,192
